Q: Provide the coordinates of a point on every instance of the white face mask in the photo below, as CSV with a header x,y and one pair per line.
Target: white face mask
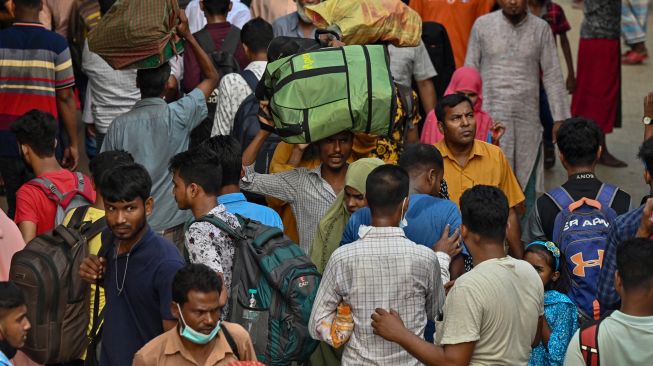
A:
x,y
403,223
194,336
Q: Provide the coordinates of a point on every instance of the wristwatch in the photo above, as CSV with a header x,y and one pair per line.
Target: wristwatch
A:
x,y
647,120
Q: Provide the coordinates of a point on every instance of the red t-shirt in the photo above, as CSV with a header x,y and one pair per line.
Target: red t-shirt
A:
x,y
33,205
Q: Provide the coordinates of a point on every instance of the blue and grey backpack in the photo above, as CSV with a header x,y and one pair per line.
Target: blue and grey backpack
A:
x,y
581,232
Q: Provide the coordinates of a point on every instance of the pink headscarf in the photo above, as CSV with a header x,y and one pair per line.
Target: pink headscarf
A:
x,y
468,79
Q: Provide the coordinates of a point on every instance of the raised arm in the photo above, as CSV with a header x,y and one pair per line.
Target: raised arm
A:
x,y
207,69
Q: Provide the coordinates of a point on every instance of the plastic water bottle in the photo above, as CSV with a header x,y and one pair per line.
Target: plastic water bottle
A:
x,y
251,316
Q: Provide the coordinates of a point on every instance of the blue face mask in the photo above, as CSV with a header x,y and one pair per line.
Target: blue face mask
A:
x,y
403,223
194,336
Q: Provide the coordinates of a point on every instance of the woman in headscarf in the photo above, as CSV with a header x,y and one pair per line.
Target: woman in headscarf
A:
x,y
466,81
332,225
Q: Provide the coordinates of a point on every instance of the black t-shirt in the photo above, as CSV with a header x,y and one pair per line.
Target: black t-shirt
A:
x,y
578,186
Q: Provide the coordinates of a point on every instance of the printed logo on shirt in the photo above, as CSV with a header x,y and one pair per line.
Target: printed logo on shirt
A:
x,y
580,264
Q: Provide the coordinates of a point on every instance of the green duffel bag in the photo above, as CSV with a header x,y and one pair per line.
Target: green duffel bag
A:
x,y
317,94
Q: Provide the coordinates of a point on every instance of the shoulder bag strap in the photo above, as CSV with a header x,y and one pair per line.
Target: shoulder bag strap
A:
x,y
589,344
205,41
560,197
250,78
606,194
231,41
231,341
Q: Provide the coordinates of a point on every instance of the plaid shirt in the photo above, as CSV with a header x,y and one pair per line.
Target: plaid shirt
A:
x,y
309,195
624,228
381,270
555,16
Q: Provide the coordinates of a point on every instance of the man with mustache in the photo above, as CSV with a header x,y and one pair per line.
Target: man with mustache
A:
x,y
136,265
310,193
296,24
469,162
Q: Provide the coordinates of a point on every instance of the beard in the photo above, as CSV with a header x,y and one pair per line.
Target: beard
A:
x,y
301,11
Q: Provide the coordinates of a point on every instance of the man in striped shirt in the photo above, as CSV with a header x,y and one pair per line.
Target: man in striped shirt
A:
x,y
35,73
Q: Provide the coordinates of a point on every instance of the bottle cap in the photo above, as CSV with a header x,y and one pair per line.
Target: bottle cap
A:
x,y
252,291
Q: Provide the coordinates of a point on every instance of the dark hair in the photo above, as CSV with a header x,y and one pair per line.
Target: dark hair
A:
x,y
257,35
125,183
484,211
34,4
152,82
421,156
562,284
196,277
107,160
579,140
38,130
645,154
193,167
11,296
105,5
449,101
217,7
226,152
635,263
386,186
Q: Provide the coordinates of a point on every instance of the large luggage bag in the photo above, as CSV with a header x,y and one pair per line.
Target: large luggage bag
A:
x,y
317,94
137,34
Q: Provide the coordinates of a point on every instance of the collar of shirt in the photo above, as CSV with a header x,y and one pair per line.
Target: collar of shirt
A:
x,y
4,360
373,232
29,24
146,102
521,23
579,176
146,237
257,65
231,198
477,150
318,171
293,21
174,345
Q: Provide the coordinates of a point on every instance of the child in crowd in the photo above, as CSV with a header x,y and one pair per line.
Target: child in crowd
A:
x,y
560,314
466,81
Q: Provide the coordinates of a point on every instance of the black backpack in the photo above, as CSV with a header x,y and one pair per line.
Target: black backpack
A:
x,y
57,302
246,126
225,63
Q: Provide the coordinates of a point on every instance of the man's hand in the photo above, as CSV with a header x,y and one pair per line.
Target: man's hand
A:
x,y
571,83
449,244
648,105
447,286
556,127
92,269
498,130
90,130
70,158
182,28
388,325
646,224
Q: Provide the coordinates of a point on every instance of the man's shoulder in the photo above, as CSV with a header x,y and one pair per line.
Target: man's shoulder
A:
x,y
285,20
45,38
152,351
488,19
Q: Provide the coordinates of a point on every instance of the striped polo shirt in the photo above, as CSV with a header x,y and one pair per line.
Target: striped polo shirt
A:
x,y
34,63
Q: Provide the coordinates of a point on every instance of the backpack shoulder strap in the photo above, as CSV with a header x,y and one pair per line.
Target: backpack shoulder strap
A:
x,y
78,217
250,78
211,219
49,189
560,197
231,41
589,343
231,341
205,41
606,194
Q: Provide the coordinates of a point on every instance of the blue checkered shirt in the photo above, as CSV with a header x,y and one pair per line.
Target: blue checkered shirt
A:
x,y
624,228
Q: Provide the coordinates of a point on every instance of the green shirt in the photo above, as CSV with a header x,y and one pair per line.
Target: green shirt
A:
x,y
623,340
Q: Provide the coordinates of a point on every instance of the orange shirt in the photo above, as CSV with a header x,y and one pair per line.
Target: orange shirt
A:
x,y
457,16
168,350
486,165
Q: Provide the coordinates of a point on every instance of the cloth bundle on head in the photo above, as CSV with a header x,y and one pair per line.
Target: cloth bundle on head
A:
x,y
369,21
332,226
464,79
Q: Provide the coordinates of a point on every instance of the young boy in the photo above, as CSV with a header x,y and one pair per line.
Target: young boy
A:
x,y
98,166
14,324
553,14
196,184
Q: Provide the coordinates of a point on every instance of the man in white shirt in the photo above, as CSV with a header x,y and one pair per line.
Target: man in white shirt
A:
x,y
255,35
383,268
493,314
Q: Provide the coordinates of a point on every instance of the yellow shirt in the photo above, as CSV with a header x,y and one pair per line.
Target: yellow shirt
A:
x,y
486,165
93,214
